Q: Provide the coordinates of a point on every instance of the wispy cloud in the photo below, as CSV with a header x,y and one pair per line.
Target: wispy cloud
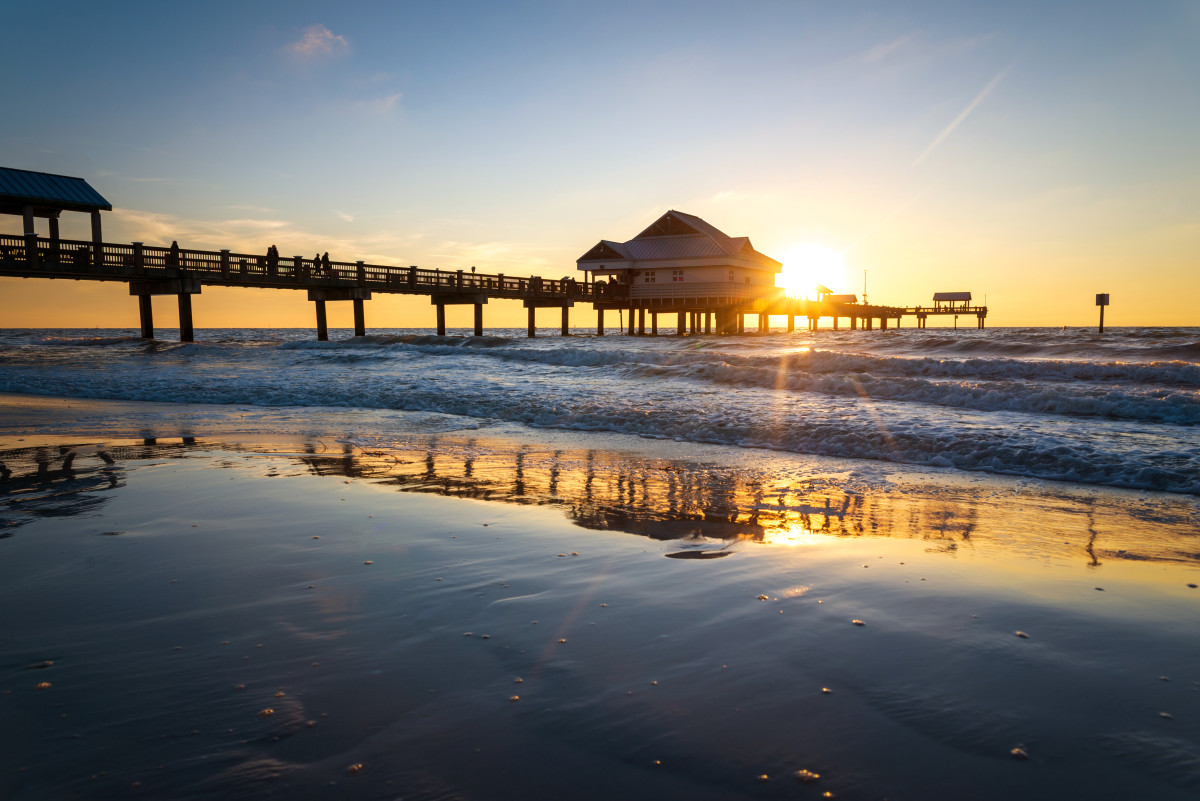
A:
x,y
380,105
966,112
344,216
882,51
318,41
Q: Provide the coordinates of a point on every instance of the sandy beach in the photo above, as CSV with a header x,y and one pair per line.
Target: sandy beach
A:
x,y
497,615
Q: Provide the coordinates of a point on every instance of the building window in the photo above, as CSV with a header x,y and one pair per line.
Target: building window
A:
x,y
648,277
676,275
731,275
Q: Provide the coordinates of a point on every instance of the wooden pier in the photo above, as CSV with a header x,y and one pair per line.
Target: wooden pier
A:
x,y
699,305
151,271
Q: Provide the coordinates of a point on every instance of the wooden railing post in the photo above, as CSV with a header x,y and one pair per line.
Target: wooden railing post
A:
x,y
139,260
458,278
362,273
225,264
298,269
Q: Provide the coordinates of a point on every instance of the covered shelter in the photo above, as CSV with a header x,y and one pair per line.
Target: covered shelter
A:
x,y
951,300
681,255
41,194
680,264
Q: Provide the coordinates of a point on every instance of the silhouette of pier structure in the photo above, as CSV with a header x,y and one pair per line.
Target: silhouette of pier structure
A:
x,y
183,272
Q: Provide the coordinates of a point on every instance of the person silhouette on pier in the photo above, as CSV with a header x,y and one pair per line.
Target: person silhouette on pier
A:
x,y
326,267
173,255
273,260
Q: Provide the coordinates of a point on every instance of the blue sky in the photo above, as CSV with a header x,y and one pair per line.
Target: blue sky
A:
x,y
1014,149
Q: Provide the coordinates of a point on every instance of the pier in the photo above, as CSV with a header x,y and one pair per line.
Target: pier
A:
x,y
699,307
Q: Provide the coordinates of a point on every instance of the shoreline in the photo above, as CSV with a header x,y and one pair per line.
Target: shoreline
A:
x,y
673,613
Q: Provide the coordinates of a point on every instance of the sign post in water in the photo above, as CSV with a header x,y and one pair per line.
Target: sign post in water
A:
x,y
1102,301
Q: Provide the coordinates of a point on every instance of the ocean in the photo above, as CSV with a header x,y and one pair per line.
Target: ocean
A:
x,y
913,564
1118,409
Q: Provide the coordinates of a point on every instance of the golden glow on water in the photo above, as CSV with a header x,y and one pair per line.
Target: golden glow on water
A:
x,y
809,264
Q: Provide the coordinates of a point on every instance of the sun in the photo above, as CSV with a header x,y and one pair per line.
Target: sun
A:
x,y
805,266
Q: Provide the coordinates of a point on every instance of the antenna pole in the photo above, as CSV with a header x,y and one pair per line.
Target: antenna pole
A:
x,y
864,287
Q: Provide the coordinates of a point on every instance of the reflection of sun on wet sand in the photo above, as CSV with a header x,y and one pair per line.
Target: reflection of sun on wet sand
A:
x,y
858,635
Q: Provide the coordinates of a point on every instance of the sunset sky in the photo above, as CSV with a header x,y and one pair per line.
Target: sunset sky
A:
x,y
1036,153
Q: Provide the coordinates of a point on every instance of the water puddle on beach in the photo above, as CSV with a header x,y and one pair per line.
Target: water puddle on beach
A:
x,y
457,616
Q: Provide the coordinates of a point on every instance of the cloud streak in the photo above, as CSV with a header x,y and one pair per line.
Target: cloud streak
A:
x,y
966,112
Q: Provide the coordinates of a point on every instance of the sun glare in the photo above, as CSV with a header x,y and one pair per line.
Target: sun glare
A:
x,y
805,266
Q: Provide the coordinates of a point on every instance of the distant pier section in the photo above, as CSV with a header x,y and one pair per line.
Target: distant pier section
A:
x,y
679,266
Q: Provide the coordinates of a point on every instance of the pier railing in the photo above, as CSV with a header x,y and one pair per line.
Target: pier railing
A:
x,y
65,258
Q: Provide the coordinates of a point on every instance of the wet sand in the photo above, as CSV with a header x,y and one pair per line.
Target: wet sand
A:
x,y
681,619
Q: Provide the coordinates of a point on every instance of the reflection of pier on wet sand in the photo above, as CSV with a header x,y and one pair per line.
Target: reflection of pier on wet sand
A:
x,y
664,499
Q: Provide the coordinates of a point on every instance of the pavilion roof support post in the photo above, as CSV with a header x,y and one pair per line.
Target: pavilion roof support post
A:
x,y
97,241
54,237
31,250
27,220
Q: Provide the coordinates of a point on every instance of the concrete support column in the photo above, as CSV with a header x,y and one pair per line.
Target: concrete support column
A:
x,y
532,322
632,322
654,323
791,323
853,323
741,323
186,332
763,324
641,322
146,312
360,322
867,323
478,319
566,331
882,323
322,322
599,322
681,328
441,319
